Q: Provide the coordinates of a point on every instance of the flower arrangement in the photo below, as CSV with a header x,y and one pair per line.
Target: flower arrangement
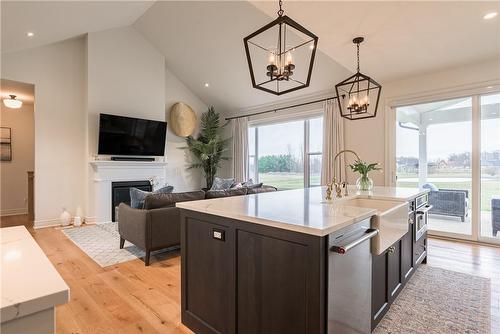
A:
x,y
363,168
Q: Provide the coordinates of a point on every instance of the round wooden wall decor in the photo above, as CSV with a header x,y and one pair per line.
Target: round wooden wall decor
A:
x,y
182,119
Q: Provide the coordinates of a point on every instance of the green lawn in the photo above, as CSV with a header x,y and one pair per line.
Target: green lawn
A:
x,y
286,180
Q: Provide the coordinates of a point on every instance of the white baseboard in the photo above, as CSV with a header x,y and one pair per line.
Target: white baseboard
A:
x,y
46,223
13,212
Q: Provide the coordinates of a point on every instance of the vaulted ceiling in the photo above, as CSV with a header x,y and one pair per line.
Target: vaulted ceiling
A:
x,y
202,40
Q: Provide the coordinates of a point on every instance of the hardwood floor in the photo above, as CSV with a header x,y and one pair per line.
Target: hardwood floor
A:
x,y
132,298
125,298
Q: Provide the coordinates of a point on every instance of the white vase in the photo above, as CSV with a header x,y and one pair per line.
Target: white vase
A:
x,y
364,183
65,218
77,221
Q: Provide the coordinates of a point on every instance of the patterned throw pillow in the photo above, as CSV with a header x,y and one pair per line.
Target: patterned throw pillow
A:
x,y
222,184
137,196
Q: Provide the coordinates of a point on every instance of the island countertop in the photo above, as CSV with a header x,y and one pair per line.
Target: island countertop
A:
x,y
300,210
30,283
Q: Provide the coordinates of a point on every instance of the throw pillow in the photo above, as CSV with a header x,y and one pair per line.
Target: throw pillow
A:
x,y
430,186
254,185
248,183
137,196
222,184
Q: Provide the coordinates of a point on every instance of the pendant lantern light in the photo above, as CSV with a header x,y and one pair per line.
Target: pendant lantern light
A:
x,y
280,55
358,95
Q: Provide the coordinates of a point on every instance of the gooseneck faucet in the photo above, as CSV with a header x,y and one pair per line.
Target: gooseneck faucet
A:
x,y
340,184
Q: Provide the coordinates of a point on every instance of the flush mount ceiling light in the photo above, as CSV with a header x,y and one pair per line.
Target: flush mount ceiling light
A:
x,y
281,55
12,102
359,94
490,15
30,34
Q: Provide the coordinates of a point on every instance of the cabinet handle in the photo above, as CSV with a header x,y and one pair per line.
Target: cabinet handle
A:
x,y
391,249
367,235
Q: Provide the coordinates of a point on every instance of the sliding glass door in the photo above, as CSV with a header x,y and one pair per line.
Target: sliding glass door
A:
x,y
434,145
452,148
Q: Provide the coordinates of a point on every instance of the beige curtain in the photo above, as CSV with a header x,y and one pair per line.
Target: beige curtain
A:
x,y
240,149
333,142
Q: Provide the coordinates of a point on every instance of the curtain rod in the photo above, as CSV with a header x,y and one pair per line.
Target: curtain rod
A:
x,y
282,108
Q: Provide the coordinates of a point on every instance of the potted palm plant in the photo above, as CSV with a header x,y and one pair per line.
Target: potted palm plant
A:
x,y
208,148
363,168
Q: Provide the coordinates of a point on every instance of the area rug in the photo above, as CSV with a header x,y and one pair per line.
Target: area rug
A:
x,y
101,243
440,301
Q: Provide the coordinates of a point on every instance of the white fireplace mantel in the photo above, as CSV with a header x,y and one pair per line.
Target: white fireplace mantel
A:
x,y
105,172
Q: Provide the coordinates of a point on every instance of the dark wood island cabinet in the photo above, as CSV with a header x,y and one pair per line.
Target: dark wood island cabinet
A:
x,y
249,278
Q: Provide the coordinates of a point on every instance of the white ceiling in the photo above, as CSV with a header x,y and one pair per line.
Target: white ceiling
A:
x,y
53,21
202,41
402,38
24,92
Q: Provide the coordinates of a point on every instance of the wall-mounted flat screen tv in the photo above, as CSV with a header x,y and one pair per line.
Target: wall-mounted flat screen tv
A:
x,y
119,135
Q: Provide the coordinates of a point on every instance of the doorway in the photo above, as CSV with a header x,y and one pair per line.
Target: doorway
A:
x,y
452,148
17,153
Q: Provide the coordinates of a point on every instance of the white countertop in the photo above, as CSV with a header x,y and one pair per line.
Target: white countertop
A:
x,y
301,210
29,281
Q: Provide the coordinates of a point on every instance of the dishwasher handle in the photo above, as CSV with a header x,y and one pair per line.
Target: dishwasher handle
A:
x,y
370,233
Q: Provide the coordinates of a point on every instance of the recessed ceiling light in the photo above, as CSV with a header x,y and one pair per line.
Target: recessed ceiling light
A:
x,y
207,84
490,15
489,87
30,34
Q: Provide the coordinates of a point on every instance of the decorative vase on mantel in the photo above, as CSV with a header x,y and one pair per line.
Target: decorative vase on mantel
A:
x,y
364,183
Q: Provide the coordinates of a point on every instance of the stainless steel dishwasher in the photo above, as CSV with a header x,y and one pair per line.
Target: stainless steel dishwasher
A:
x,y
350,279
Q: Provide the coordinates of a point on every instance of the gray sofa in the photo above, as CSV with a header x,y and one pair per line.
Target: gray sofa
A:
x,y
157,224
449,202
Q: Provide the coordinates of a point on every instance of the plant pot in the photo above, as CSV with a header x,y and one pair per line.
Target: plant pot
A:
x,y
364,183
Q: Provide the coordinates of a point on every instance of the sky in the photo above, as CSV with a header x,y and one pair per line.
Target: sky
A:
x,y
282,138
444,139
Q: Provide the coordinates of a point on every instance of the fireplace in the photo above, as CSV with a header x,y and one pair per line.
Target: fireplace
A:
x,y
120,193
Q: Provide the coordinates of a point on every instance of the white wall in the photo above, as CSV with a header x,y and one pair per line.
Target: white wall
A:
x,y
177,173
58,73
367,137
128,76
125,77
14,177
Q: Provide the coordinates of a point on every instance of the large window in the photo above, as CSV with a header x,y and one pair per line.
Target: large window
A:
x,y
287,155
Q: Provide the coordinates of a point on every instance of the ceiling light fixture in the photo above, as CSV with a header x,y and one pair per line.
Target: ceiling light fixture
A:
x,y
490,15
206,84
30,34
359,94
283,54
12,102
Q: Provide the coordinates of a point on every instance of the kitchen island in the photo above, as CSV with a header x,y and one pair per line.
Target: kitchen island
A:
x,y
31,286
292,262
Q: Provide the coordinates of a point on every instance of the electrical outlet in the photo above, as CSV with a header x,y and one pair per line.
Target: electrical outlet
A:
x,y
218,234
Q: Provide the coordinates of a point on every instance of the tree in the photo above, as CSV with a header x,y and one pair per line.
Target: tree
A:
x,y
209,148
